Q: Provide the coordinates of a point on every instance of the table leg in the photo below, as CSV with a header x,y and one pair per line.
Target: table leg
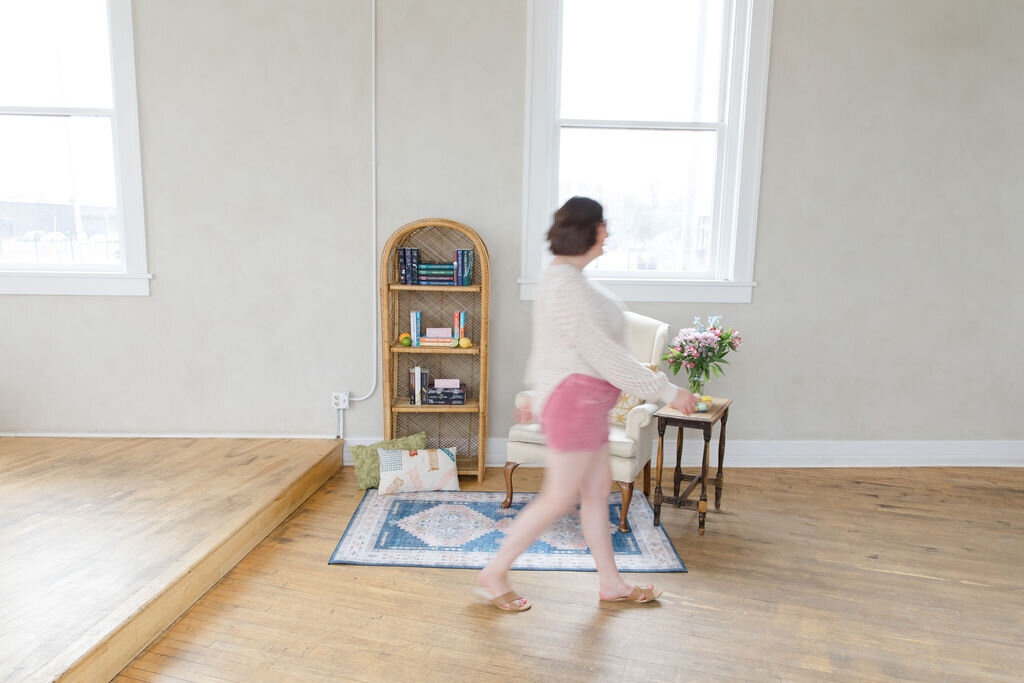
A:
x,y
657,481
702,506
679,462
720,476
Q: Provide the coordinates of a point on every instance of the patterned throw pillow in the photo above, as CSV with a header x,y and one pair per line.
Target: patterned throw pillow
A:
x,y
424,469
367,463
617,415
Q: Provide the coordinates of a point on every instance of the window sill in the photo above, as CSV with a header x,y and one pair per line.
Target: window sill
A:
x,y
664,290
88,284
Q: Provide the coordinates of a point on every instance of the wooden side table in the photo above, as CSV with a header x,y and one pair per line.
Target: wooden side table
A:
x,y
670,417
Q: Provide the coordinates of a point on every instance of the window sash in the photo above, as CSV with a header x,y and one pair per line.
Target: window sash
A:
x,y
738,164
131,278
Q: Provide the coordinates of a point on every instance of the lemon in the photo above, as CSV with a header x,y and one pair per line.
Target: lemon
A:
x,y
404,335
705,399
465,342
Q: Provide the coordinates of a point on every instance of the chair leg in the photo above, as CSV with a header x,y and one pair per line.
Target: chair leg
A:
x,y
510,467
647,479
627,495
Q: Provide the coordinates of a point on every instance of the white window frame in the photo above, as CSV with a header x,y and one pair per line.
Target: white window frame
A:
x,y
132,277
739,167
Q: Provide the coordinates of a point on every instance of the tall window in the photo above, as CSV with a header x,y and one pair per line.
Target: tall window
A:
x,y
655,108
71,219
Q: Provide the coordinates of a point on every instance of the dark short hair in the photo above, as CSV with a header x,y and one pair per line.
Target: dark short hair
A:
x,y
574,230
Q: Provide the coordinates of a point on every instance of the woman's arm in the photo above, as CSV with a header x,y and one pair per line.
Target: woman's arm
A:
x,y
593,341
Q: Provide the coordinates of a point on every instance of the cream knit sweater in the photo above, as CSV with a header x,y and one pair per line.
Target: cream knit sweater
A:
x,y
579,329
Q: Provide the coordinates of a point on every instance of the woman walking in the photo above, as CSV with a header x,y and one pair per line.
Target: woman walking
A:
x,y
578,364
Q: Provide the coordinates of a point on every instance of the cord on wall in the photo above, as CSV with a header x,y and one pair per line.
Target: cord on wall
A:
x,y
375,328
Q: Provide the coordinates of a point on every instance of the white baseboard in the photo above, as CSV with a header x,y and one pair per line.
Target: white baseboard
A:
x,y
751,453
738,452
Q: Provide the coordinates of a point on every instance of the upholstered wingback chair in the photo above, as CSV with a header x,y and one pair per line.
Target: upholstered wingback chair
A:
x,y
630,444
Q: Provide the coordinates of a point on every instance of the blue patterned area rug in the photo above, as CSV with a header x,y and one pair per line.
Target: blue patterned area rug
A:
x,y
463,529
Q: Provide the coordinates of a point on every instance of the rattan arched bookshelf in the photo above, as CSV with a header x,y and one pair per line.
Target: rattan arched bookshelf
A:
x,y
461,426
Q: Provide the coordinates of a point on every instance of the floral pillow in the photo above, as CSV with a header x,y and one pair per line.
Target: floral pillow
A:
x,y
617,415
424,469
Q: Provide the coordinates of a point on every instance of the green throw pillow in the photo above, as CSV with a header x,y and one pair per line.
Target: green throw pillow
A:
x,y
368,464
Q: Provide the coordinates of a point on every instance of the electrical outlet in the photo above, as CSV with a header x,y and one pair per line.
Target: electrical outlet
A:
x,y
339,400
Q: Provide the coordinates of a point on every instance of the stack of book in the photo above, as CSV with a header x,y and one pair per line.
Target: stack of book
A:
x,y
459,272
438,396
418,380
463,263
436,274
408,265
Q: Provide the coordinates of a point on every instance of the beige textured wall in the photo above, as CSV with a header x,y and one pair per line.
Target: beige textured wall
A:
x,y
887,251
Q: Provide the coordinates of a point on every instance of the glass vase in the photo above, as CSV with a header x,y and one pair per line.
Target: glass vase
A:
x,y
696,386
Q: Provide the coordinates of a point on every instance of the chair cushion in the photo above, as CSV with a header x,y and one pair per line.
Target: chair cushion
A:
x,y
617,415
618,443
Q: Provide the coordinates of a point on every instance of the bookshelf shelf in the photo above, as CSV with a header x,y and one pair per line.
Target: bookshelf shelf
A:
x,y
398,348
450,289
461,426
402,405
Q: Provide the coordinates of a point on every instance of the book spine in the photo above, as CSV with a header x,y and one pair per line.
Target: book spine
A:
x,y
419,326
414,327
456,331
458,266
437,340
419,387
443,267
414,274
402,275
469,267
462,324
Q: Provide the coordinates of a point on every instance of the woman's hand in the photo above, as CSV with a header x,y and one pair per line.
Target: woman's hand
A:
x,y
685,402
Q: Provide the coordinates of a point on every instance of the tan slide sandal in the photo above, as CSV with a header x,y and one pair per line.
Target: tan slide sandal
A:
x,y
505,599
638,595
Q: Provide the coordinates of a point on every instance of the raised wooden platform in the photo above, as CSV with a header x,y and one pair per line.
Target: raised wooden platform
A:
x,y
105,542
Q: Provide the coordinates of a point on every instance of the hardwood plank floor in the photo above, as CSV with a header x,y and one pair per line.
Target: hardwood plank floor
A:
x,y
105,542
852,574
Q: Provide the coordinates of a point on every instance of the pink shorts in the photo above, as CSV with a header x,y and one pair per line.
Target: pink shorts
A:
x,y
575,416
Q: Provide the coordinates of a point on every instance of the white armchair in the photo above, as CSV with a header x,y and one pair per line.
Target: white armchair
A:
x,y
630,445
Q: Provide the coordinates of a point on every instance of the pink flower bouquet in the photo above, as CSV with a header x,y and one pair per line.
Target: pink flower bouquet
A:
x,y
701,350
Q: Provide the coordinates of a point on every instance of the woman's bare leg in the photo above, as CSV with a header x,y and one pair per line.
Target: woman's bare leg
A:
x,y
559,491
594,489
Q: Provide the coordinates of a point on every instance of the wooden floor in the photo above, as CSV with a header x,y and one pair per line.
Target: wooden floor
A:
x,y
807,575
105,542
